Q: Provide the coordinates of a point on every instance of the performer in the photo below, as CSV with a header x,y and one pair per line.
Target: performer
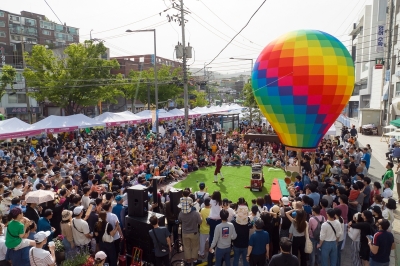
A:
x,y
218,166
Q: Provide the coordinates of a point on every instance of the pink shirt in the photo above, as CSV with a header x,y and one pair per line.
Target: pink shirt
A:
x,y
345,209
313,223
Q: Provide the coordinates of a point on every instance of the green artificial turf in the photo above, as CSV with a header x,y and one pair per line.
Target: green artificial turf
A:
x,y
236,178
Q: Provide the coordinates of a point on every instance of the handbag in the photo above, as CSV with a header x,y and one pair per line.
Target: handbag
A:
x,y
107,237
164,248
309,246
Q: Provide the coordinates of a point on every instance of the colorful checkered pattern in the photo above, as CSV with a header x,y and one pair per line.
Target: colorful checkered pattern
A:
x,y
302,81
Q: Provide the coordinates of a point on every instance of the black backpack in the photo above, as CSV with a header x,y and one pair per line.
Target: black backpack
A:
x,y
200,198
317,231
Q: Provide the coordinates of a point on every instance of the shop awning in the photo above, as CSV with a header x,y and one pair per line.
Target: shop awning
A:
x,y
395,122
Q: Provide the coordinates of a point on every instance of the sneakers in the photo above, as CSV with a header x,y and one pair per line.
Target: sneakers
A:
x,y
222,178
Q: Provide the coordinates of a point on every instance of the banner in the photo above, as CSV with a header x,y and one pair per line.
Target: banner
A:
x,y
380,43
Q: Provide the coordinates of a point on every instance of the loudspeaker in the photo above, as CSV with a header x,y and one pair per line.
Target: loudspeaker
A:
x,y
199,134
174,196
137,200
137,234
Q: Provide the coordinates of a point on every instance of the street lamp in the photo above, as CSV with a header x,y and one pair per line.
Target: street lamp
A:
x,y
248,59
155,71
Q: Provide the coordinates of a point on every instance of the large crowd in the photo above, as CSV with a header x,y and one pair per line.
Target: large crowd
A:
x,y
332,201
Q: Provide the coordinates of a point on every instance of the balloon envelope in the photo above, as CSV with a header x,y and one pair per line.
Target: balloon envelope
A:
x,y
301,82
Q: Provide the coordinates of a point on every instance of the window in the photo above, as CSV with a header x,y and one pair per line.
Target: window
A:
x,y
73,31
30,22
2,34
59,27
31,40
15,37
46,32
47,25
16,98
14,18
397,89
2,24
18,77
1,14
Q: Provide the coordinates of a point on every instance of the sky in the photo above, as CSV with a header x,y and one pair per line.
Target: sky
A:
x,y
211,24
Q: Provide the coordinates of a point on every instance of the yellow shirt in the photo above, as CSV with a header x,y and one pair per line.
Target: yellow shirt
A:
x,y
214,148
204,227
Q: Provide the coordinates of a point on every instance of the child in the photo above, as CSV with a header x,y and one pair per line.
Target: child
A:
x,y
354,193
298,183
186,203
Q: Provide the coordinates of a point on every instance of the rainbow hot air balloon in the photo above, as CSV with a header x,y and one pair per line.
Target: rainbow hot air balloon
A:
x,y
301,82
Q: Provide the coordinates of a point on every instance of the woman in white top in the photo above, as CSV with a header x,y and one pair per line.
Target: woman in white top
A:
x,y
354,234
214,218
387,213
297,231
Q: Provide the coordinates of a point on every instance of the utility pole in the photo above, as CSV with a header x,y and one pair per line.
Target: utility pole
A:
x,y
28,104
388,59
185,85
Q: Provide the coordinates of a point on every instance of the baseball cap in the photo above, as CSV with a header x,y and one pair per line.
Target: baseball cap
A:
x,y
40,236
78,210
285,201
118,198
100,256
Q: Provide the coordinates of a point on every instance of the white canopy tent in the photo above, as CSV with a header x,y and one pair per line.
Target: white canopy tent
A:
x,y
331,131
117,119
56,124
15,128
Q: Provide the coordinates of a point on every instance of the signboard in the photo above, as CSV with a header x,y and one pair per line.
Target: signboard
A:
x,y
21,110
380,44
379,63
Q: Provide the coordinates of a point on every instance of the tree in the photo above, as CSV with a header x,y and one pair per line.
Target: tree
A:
x,y
75,79
7,77
200,100
249,100
169,86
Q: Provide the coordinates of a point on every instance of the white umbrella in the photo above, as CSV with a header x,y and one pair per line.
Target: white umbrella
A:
x,y
39,196
390,127
393,133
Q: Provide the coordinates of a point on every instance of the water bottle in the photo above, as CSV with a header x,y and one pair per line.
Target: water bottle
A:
x,y
93,245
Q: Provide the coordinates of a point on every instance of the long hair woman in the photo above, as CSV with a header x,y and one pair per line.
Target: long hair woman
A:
x,y
298,231
101,230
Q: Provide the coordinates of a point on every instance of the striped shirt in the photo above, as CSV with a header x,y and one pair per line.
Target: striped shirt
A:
x,y
40,257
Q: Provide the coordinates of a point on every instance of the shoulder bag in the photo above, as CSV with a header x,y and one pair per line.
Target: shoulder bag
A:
x,y
309,246
164,248
106,236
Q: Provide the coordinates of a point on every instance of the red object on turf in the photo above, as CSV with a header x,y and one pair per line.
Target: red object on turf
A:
x,y
275,192
136,257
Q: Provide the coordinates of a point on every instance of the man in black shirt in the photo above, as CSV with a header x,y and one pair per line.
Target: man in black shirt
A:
x,y
285,257
352,167
241,243
353,132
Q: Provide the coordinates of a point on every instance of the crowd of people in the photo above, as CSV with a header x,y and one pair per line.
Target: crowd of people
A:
x,y
90,171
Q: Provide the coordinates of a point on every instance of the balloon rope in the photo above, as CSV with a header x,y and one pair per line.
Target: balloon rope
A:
x,y
273,81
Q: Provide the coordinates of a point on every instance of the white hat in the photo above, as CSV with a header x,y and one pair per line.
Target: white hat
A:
x,y
100,255
285,201
78,210
40,236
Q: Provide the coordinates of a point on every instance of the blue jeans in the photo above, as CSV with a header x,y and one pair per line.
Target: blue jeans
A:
x,y
329,253
339,253
236,257
315,256
374,263
223,253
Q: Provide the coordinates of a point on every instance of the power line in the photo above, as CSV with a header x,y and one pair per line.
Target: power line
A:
x,y
236,34
53,12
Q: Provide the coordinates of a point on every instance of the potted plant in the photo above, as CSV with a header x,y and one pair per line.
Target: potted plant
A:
x,y
59,249
82,258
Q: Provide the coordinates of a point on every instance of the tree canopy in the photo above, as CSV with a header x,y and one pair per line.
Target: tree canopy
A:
x,y
7,77
76,78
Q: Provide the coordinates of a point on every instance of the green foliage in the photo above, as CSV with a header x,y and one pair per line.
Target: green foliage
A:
x,y
141,81
7,77
77,78
250,101
200,100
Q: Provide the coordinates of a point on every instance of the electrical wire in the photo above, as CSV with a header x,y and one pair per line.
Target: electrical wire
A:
x,y
54,12
236,34
228,24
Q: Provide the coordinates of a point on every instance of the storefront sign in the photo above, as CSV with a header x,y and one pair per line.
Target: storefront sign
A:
x,y
21,110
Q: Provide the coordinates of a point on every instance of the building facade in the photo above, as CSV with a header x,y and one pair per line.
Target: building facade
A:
x,y
368,51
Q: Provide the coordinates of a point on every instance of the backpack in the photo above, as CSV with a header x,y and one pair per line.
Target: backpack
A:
x,y
317,231
200,198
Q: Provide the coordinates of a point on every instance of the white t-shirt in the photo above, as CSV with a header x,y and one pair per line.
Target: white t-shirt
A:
x,y
79,237
3,248
17,192
40,257
85,202
215,210
113,219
